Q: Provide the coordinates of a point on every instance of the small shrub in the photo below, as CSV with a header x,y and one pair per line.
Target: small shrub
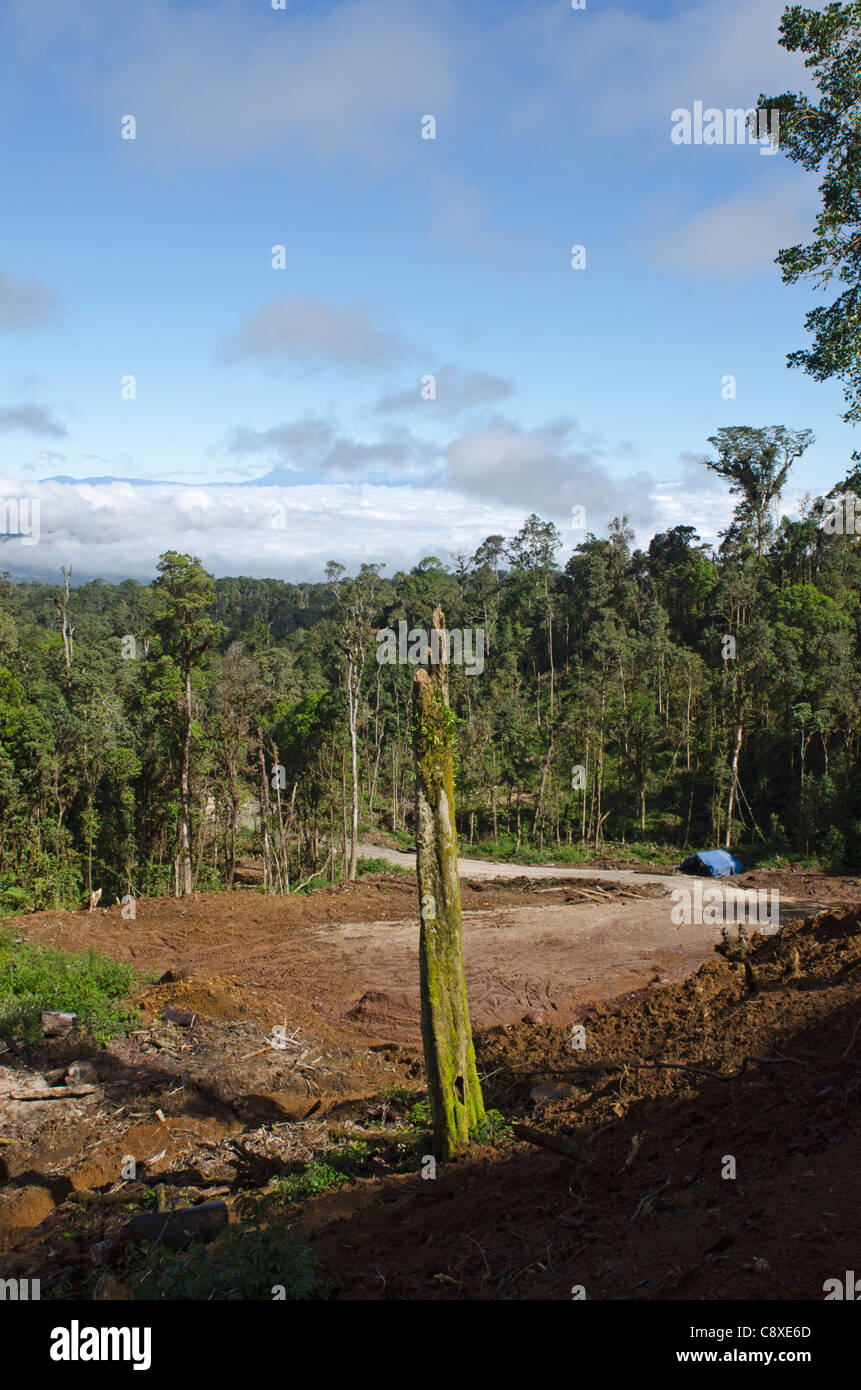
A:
x,y
317,1178
493,1129
378,866
351,1158
13,898
35,977
244,1264
419,1116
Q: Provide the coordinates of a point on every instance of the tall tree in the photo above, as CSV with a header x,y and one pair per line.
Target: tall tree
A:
x,y
826,136
355,599
235,695
756,464
181,620
62,602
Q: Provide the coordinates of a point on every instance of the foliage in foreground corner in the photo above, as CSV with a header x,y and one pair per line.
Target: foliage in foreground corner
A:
x,y
34,978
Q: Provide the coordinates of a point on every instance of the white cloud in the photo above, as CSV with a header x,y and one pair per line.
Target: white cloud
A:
x,y
742,233
630,71
118,530
24,303
34,419
459,219
303,328
547,470
458,389
313,444
220,83
683,503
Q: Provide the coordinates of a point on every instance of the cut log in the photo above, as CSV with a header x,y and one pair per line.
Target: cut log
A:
x,y
557,1142
54,1093
178,1229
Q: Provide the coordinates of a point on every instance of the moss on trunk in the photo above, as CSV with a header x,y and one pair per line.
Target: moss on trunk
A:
x,y
453,1087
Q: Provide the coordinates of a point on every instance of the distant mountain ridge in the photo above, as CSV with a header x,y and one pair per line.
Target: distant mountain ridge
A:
x,y
276,477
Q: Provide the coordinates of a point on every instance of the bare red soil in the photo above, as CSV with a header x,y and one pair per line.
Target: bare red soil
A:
x,y
690,1059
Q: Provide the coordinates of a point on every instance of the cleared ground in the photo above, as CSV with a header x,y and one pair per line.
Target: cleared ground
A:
x,y
339,969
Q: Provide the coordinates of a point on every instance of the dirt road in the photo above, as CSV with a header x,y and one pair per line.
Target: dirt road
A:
x,y
486,868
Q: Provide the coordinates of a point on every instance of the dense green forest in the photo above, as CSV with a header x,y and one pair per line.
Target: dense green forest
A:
x,y
675,696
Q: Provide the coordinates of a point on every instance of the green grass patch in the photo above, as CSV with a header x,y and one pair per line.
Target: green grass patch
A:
x,y
638,852
88,984
379,866
246,1263
318,1177
765,856
391,1092
493,1129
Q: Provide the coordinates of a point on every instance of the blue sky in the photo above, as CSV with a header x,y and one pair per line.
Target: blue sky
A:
x,y
405,257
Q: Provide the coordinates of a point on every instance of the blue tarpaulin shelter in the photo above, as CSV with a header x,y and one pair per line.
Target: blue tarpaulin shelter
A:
x,y
716,863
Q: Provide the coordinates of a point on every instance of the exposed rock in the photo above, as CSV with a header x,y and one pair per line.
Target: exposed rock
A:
x,y
550,1091
56,1025
82,1072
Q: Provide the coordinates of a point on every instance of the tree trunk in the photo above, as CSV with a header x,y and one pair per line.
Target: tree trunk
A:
x,y
264,816
90,849
582,791
599,776
454,1090
732,785
354,770
233,794
345,858
538,818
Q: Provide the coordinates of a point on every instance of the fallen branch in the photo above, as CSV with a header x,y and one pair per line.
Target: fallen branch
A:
x,y
705,1071
543,1140
54,1093
108,1199
384,1136
645,1203
845,1054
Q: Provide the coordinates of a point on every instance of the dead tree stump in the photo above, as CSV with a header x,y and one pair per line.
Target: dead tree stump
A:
x,y
456,1103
